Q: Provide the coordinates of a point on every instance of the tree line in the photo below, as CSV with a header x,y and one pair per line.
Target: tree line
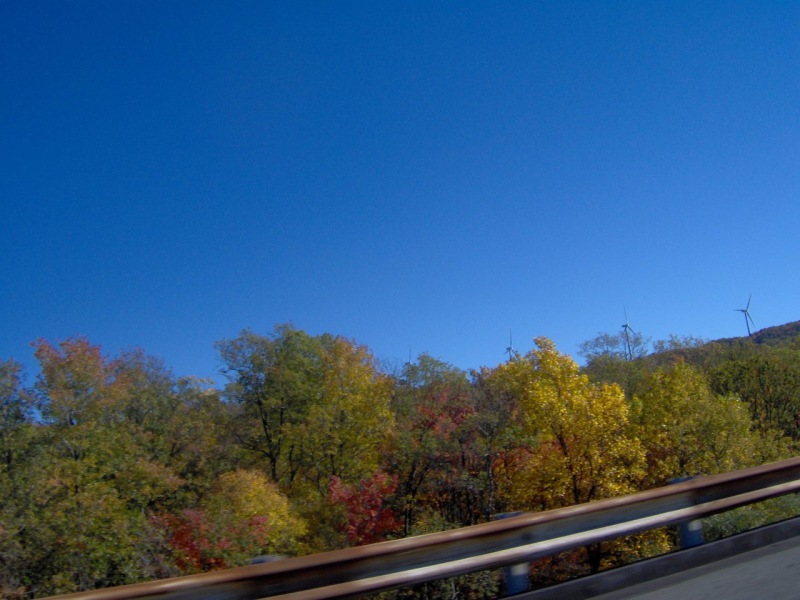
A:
x,y
113,470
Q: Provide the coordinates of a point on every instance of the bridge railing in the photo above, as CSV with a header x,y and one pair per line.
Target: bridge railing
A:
x,y
414,560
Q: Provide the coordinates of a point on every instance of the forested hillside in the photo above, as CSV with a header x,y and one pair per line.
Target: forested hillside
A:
x,y
114,470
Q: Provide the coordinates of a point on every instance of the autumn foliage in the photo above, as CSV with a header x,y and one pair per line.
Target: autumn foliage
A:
x,y
244,516
369,518
113,470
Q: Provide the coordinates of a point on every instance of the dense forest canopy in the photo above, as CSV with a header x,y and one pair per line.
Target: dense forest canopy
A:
x,y
113,470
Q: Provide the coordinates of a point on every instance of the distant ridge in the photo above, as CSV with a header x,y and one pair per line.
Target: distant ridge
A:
x,y
777,336
710,352
780,335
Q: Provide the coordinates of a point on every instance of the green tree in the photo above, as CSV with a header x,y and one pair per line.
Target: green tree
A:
x,y
769,383
120,441
497,432
432,405
16,411
608,361
689,430
274,380
347,428
313,406
85,455
18,449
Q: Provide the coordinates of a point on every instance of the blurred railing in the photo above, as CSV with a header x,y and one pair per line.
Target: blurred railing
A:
x,y
414,560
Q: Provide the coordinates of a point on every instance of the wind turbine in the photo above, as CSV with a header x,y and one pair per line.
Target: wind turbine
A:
x,y
748,320
512,354
626,331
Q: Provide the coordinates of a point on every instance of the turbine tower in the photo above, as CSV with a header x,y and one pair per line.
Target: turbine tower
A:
x,y
748,320
626,331
512,354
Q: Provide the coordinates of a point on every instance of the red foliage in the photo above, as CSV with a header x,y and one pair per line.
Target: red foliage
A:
x,y
444,408
192,542
199,545
368,517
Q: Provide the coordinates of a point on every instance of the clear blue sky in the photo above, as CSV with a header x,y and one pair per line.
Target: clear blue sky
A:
x,y
418,176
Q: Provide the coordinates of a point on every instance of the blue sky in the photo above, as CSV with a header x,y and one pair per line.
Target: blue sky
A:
x,y
421,177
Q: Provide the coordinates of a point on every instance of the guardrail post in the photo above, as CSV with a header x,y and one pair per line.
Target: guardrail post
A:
x,y
690,533
516,578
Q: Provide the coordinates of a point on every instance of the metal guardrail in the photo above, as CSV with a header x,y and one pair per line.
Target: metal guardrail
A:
x,y
411,561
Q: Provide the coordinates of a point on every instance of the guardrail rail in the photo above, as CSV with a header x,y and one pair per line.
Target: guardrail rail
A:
x,y
411,561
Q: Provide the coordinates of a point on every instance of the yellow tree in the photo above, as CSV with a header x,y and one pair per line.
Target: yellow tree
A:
x,y
580,432
248,498
580,443
244,516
